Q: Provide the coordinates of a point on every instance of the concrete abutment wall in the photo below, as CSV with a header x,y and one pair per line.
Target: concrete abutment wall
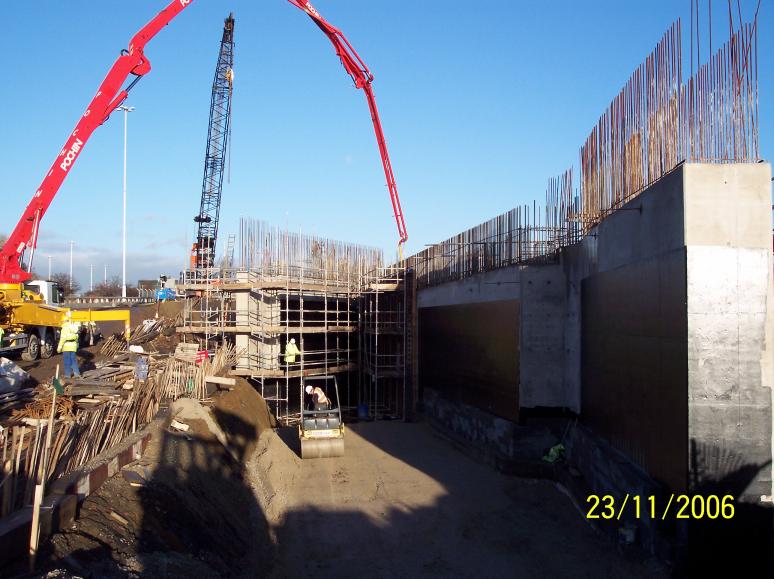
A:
x,y
656,329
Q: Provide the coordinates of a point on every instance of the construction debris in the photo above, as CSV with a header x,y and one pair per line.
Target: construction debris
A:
x,y
145,332
12,400
96,412
177,425
115,516
184,378
11,376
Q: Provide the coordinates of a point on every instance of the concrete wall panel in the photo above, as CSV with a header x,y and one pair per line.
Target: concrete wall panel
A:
x,y
649,225
730,410
492,286
470,353
667,327
634,367
728,205
543,310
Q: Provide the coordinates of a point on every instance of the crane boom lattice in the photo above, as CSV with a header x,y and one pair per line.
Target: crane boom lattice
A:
x,y
203,254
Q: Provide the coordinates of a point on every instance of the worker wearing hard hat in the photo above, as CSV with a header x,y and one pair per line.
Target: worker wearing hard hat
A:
x,y
291,351
68,346
321,401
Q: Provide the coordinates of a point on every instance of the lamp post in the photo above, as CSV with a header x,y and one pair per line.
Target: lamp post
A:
x,y
126,110
71,265
49,268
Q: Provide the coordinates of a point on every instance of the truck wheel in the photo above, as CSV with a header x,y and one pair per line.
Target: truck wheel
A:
x,y
48,346
33,349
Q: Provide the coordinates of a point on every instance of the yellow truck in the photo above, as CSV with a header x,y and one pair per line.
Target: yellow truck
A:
x,y
32,314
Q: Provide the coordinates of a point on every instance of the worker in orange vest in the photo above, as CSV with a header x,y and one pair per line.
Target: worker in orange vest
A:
x,y
321,401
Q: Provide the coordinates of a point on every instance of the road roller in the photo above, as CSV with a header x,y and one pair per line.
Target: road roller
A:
x,y
321,429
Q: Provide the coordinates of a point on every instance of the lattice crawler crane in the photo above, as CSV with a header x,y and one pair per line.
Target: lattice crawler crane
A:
x,y
203,250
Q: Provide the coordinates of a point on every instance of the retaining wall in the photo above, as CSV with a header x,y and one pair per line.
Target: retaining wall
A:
x,y
656,329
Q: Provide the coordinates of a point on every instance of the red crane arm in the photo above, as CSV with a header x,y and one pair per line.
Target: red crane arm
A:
x,y
109,96
362,78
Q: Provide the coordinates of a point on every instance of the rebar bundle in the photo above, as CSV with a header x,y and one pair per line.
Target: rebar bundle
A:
x,y
656,122
273,251
524,234
721,103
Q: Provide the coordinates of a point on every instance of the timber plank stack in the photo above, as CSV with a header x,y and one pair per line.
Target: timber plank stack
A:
x,y
95,412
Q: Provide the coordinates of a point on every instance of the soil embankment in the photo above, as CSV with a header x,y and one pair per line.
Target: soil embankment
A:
x,y
185,509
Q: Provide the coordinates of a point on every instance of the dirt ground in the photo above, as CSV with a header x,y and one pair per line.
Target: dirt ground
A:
x,y
42,370
402,502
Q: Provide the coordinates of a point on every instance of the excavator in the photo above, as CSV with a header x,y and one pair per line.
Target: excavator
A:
x,y
24,313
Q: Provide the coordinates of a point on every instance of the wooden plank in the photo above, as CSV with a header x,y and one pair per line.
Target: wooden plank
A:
x,y
97,383
220,330
89,390
266,329
277,284
294,373
16,394
121,519
220,380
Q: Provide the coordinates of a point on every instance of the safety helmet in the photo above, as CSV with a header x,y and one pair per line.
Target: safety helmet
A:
x,y
308,389
292,340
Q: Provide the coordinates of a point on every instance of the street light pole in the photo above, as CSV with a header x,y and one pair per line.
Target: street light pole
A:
x,y
91,277
71,265
126,110
49,268
105,274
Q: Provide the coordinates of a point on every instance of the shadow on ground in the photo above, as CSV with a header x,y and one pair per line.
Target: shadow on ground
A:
x,y
740,546
194,514
403,502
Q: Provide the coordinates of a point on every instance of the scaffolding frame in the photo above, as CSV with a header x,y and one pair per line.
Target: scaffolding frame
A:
x,y
345,310
383,351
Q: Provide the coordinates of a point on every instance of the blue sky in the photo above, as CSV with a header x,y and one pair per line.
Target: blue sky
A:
x,y
481,103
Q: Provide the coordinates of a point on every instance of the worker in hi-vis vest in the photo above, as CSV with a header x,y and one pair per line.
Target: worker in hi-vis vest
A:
x,y
68,346
291,351
319,398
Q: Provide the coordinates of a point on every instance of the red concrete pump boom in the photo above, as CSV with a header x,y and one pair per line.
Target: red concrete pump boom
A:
x,y
362,78
109,96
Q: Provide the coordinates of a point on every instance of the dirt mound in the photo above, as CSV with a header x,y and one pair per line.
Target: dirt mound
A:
x,y
185,509
273,469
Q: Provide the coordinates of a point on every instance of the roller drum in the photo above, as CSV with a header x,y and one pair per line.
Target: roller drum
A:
x,y
322,447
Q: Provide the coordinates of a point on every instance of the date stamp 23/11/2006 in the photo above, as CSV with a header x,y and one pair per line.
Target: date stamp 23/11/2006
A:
x,y
677,506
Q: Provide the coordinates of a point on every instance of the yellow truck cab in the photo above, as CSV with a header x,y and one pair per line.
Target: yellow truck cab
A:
x,y
32,314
